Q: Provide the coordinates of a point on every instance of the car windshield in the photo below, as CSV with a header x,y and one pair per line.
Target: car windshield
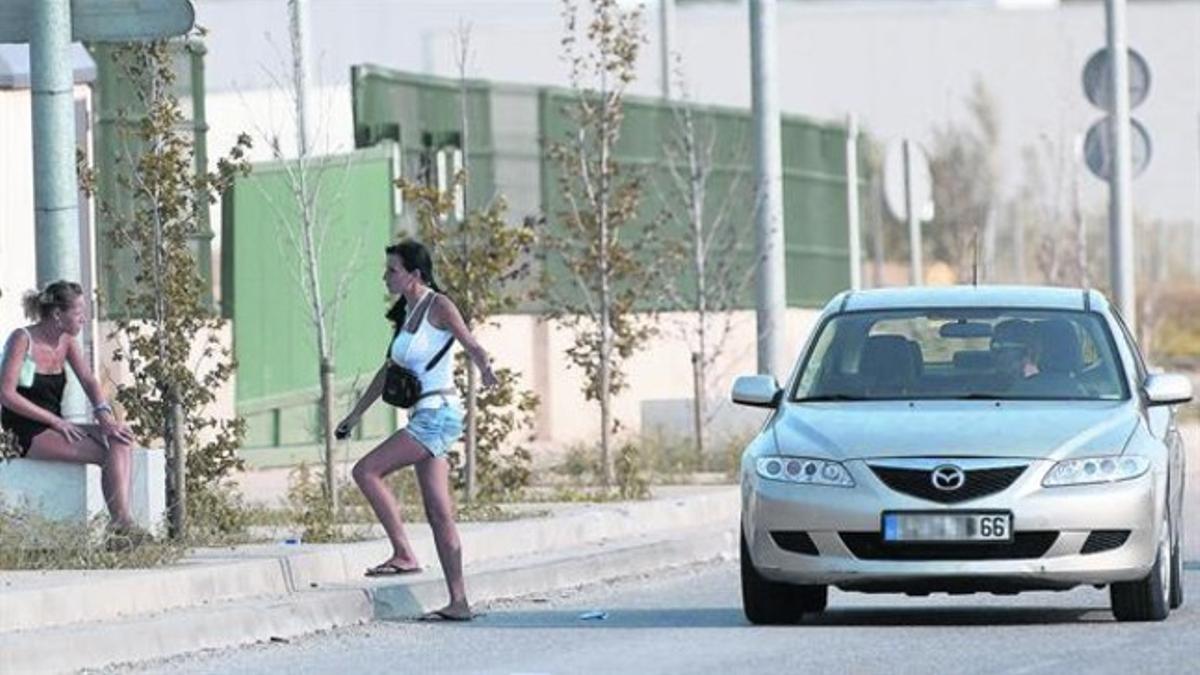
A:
x,y
962,354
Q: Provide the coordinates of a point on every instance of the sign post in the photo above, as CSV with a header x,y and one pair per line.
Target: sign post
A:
x,y
908,193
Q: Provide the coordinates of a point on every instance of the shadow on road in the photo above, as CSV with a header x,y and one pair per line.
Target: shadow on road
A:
x,y
729,617
959,616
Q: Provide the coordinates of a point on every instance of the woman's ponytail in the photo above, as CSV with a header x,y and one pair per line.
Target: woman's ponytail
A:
x,y
31,303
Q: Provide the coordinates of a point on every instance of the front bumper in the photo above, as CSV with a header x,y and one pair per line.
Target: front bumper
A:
x,y
1064,515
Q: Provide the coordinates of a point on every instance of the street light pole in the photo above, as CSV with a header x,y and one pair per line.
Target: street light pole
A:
x,y
1196,218
666,33
1120,200
770,299
56,201
298,26
52,79
917,265
852,221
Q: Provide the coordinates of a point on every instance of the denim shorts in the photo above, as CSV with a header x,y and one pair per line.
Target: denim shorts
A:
x,y
436,428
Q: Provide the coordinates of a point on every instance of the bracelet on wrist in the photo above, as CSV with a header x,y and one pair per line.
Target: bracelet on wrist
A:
x,y
103,407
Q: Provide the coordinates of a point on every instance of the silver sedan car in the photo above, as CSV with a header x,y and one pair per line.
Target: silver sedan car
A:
x,y
964,440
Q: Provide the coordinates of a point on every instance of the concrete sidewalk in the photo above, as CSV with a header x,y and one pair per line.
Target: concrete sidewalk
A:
x,y
231,596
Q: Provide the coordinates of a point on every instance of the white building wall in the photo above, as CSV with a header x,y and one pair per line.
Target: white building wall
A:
x,y
18,252
18,270
659,376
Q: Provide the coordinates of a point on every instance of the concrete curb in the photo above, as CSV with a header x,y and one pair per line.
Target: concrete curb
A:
x,y
94,645
492,541
95,597
597,563
216,575
229,624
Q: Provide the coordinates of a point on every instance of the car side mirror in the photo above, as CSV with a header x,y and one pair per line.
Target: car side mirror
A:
x,y
1167,389
760,391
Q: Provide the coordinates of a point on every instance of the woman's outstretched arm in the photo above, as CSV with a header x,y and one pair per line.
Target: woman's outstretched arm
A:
x,y
447,317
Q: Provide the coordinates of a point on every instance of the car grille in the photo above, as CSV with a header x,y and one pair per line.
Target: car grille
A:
x,y
796,542
1104,540
1025,545
978,483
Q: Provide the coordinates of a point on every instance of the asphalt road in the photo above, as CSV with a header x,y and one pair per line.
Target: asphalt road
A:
x,y
690,621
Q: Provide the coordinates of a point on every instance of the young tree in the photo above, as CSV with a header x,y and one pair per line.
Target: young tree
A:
x,y
305,223
966,178
1048,208
480,260
595,247
713,242
465,250
165,333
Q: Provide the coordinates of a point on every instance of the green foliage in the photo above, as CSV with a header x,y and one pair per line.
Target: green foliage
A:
x,y
583,465
480,261
310,507
652,459
217,515
172,350
632,482
8,445
502,467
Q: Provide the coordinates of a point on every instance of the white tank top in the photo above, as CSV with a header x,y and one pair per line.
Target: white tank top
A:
x,y
415,350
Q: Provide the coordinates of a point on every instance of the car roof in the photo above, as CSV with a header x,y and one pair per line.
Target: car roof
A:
x,y
1027,297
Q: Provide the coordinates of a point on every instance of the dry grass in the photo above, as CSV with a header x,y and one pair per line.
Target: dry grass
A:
x,y
31,542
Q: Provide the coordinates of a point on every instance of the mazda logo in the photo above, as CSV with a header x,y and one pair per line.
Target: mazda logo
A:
x,y
947,478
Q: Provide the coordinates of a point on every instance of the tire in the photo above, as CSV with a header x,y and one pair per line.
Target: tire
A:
x,y
1148,598
1177,572
767,602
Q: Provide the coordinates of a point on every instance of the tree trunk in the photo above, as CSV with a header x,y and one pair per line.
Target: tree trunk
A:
x,y
698,405
327,429
606,140
469,467
178,478
606,459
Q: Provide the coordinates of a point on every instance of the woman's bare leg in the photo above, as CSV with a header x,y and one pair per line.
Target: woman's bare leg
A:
x,y
433,474
395,453
115,465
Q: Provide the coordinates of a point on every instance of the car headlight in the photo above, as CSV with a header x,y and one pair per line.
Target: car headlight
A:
x,y
805,471
1095,470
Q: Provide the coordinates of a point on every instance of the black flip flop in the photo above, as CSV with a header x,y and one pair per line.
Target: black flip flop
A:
x,y
390,570
439,615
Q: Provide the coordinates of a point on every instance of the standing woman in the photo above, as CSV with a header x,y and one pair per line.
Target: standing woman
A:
x,y
426,324
32,379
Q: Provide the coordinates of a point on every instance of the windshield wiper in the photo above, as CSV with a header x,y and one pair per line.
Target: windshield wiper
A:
x,y
984,396
830,397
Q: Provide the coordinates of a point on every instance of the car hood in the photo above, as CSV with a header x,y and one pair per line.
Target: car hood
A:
x,y
1029,429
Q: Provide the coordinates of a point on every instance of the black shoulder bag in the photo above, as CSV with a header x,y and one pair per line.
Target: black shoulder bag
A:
x,y
402,387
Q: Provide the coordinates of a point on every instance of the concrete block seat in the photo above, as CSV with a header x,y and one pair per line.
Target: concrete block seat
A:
x,y
71,492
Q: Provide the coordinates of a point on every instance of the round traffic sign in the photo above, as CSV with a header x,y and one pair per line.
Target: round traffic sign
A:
x,y
1097,82
1097,148
894,181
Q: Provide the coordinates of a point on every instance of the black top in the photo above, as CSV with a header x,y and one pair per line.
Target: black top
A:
x,y
46,393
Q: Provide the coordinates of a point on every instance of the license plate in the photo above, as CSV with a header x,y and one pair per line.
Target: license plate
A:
x,y
942,527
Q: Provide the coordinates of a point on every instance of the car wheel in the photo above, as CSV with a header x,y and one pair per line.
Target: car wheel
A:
x,y
771,602
1177,571
1148,598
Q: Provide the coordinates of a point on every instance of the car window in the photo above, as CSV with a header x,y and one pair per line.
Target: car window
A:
x,y
962,353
